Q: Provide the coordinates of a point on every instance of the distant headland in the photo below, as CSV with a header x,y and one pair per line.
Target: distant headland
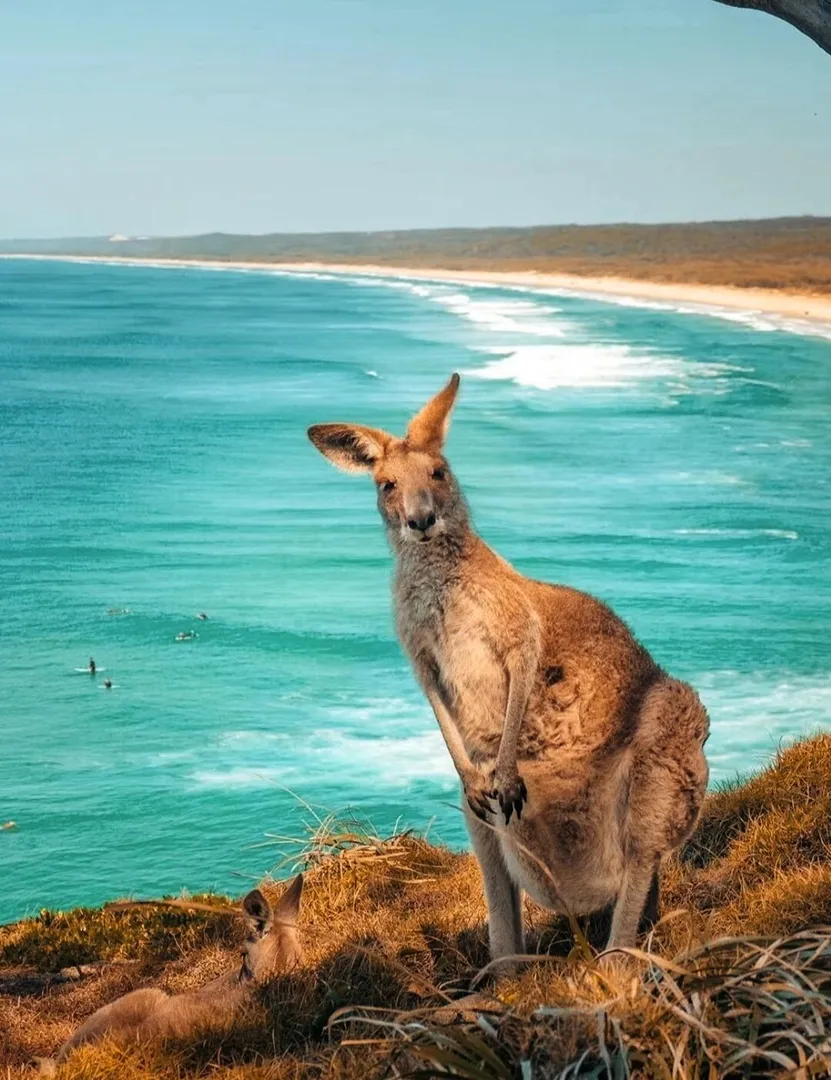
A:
x,y
776,264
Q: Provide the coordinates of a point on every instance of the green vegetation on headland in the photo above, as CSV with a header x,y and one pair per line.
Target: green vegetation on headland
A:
x,y
734,982
792,254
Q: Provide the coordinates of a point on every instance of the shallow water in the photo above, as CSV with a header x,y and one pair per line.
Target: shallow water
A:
x,y
154,459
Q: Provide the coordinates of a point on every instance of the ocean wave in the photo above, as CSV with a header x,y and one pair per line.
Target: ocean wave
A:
x,y
708,477
552,367
752,711
351,761
479,305
576,363
241,777
506,316
754,319
740,534
498,314
391,761
390,743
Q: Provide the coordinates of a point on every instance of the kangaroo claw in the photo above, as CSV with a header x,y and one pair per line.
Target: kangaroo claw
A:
x,y
511,795
479,798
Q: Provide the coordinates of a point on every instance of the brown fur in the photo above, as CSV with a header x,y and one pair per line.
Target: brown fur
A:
x,y
272,945
547,703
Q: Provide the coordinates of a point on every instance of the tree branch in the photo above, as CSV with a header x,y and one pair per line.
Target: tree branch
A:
x,y
812,17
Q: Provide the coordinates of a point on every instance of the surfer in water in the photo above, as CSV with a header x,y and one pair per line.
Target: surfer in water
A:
x,y
108,684
91,666
202,616
186,635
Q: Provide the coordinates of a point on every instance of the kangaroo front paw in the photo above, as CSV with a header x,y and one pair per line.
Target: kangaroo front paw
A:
x,y
478,794
510,792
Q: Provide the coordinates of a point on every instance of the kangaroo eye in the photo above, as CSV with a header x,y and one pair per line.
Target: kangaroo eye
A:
x,y
387,486
439,474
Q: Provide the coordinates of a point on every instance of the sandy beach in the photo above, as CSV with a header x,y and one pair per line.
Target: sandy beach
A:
x,y
771,301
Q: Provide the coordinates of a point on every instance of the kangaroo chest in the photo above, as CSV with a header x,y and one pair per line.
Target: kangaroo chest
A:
x,y
445,632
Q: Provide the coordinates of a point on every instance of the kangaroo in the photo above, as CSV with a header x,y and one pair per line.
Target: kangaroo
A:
x,y
548,705
272,945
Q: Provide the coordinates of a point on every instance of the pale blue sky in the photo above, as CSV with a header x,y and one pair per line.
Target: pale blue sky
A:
x,y
181,116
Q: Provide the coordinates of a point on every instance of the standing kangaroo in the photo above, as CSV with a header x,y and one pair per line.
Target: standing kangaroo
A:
x,y
272,945
546,701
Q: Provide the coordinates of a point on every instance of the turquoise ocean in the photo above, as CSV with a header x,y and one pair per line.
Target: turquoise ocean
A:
x,y
672,460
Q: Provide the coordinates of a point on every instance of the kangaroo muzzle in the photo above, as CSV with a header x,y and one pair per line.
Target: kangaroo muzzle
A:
x,y
420,518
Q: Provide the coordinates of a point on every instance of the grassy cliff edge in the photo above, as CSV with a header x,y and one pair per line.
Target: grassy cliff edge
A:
x,y
734,981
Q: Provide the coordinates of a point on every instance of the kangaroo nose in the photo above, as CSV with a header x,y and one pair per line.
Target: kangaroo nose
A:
x,y
422,524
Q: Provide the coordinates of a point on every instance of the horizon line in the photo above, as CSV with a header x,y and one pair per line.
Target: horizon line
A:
x,y
116,236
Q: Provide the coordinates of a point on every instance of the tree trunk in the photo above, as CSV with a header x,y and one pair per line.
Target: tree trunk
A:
x,y
812,17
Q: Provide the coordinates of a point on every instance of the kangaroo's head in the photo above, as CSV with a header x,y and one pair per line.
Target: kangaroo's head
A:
x,y
418,496
272,943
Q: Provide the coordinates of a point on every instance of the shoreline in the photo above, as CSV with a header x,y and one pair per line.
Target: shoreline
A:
x,y
803,306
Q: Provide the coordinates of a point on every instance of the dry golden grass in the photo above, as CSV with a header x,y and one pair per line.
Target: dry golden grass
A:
x,y
735,981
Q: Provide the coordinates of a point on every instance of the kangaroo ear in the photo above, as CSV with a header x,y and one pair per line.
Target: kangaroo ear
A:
x,y
350,447
288,905
428,429
257,913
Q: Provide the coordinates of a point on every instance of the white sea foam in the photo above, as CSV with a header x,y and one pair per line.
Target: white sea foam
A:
x,y
394,742
507,316
241,777
762,321
449,294
577,362
708,477
549,367
755,319
392,761
740,534
754,713
478,304
599,365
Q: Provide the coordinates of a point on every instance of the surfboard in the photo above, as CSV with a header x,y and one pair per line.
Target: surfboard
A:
x,y
86,671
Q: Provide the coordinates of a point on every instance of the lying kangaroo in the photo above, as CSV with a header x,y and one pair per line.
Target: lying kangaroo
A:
x,y
541,693
272,945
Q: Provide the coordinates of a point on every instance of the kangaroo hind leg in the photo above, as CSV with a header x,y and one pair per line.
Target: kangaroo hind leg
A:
x,y
120,1019
502,894
668,783
651,911
636,904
